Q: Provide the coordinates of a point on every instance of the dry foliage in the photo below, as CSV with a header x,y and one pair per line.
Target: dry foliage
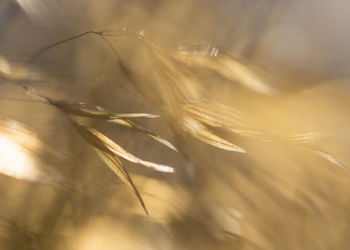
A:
x,y
255,156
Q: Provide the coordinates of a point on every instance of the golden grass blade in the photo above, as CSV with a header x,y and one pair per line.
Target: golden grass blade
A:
x,y
114,164
135,115
103,143
117,167
199,131
82,109
304,138
218,115
115,148
154,136
328,156
79,109
227,67
236,71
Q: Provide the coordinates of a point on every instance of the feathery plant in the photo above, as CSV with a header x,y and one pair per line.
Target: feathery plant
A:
x,y
184,101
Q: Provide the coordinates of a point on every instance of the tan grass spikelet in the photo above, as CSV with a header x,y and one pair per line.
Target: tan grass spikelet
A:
x,y
200,132
117,168
130,124
228,67
103,143
328,157
222,116
81,109
306,140
109,152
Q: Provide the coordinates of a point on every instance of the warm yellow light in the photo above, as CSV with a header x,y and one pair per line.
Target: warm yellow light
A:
x,y
14,161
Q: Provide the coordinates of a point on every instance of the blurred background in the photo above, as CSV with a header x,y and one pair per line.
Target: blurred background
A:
x,y
252,93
